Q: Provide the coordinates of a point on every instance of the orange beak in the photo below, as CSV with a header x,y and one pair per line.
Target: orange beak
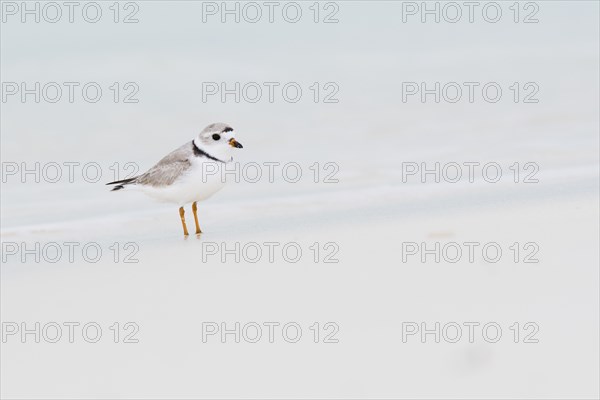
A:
x,y
235,143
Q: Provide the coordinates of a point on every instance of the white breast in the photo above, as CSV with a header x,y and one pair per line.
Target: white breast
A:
x,y
202,180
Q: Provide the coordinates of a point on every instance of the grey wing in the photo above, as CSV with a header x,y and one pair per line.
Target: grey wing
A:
x,y
169,169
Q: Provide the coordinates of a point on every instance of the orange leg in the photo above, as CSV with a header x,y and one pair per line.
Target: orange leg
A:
x,y
182,215
195,210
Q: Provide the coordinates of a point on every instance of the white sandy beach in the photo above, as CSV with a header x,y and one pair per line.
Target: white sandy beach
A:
x,y
369,215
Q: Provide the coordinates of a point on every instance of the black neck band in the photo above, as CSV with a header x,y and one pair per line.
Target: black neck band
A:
x,y
201,153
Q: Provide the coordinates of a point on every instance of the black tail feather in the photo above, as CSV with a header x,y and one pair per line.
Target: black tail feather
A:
x,y
121,184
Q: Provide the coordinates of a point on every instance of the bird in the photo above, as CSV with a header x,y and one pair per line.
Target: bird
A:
x,y
186,175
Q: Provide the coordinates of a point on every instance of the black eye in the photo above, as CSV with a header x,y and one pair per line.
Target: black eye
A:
x,y
216,136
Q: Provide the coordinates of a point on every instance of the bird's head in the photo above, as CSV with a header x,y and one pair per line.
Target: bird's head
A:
x,y
218,140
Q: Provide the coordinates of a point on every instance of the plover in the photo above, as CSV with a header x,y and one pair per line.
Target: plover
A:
x,y
181,176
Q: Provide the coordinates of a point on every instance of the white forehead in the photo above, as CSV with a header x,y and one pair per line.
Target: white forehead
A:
x,y
222,132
